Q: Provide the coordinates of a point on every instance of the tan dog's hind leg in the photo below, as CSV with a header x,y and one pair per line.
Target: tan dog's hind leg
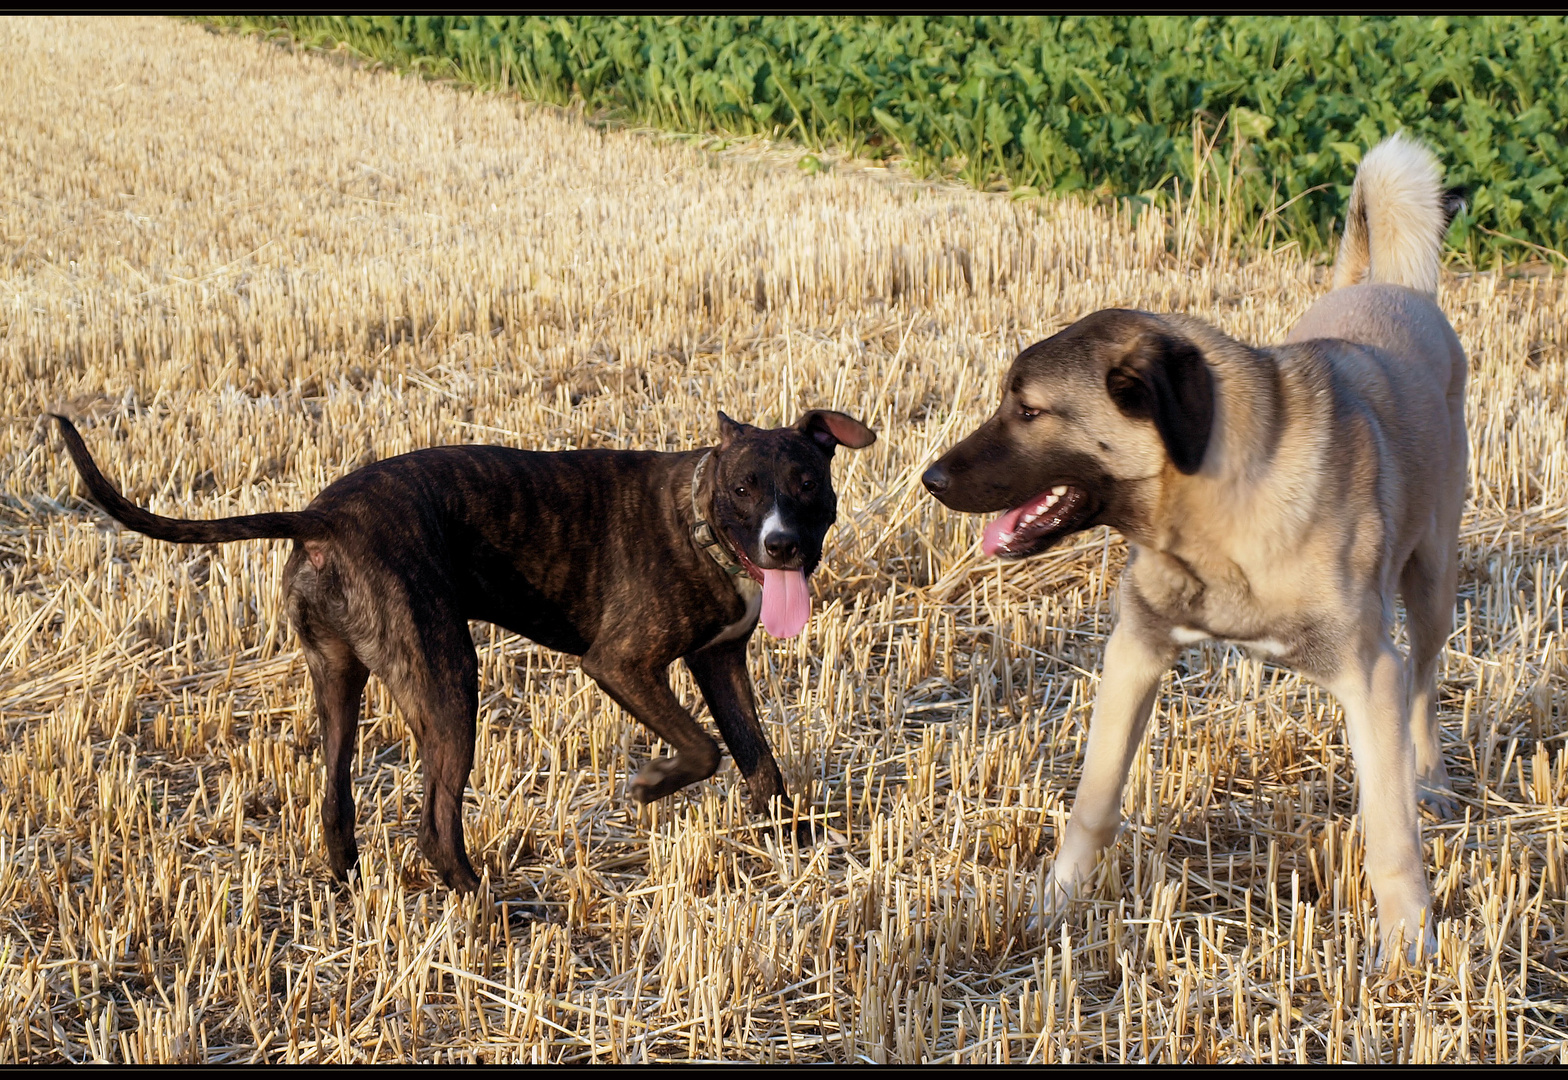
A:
x,y
1428,584
1128,683
1371,688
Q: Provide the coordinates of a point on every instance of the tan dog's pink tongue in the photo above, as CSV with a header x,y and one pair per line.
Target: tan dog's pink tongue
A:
x,y
786,602
1000,532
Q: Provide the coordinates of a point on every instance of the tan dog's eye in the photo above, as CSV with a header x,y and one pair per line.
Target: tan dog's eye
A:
x,y
1027,413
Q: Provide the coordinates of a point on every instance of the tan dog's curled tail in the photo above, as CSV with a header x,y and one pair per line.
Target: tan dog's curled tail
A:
x,y
1399,213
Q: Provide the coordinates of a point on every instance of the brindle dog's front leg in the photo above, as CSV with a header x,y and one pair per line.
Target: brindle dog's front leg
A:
x,y
1134,661
721,675
645,692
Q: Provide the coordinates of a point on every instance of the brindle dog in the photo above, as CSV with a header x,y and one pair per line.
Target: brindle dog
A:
x,y
630,560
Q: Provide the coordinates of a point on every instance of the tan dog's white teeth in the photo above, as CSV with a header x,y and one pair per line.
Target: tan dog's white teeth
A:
x,y
1059,490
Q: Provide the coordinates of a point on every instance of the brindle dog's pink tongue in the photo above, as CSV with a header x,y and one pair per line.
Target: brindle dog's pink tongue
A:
x,y
786,602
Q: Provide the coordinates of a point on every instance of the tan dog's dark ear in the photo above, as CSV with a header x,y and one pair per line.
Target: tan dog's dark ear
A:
x,y
1165,379
831,429
728,430
1455,201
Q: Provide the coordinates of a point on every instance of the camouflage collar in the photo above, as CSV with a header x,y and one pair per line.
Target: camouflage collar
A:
x,y
704,534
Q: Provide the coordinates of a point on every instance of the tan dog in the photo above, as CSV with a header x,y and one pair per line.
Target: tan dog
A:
x,y
1276,497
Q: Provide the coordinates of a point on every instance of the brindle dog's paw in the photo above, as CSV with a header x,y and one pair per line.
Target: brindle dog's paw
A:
x,y
655,780
461,880
784,824
520,914
801,834
807,832
806,828
344,864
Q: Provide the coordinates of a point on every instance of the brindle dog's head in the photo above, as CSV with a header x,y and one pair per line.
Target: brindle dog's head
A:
x,y
1090,421
772,489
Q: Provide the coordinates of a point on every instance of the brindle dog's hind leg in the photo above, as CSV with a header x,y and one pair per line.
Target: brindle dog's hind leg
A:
x,y
338,679
434,677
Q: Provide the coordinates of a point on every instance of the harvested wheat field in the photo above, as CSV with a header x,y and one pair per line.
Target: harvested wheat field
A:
x,y
247,271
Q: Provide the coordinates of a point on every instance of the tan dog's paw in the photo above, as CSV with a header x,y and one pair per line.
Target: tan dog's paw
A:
x,y
1420,952
1419,948
1440,803
1436,795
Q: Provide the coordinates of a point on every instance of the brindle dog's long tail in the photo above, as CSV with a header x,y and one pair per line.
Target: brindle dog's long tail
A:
x,y
304,525
1398,215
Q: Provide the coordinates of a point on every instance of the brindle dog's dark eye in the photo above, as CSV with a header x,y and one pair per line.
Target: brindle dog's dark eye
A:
x,y
741,491
807,483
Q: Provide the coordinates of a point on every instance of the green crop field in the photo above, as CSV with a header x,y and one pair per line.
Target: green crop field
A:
x,y
1263,110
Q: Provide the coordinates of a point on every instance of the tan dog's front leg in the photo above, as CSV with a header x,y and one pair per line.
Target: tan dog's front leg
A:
x,y
1371,688
1131,676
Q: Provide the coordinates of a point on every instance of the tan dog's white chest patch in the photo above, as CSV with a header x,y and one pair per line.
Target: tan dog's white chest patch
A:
x,y
1187,635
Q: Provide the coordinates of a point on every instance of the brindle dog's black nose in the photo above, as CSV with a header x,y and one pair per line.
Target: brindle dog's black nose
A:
x,y
782,546
935,479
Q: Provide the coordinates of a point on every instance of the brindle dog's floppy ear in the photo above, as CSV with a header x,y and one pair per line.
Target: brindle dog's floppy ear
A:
x,y
830,429
1164,378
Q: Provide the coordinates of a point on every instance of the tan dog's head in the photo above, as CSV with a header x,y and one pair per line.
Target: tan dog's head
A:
x,y
1090,421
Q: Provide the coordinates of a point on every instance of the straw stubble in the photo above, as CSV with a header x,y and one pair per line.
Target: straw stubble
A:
x,y
247,271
